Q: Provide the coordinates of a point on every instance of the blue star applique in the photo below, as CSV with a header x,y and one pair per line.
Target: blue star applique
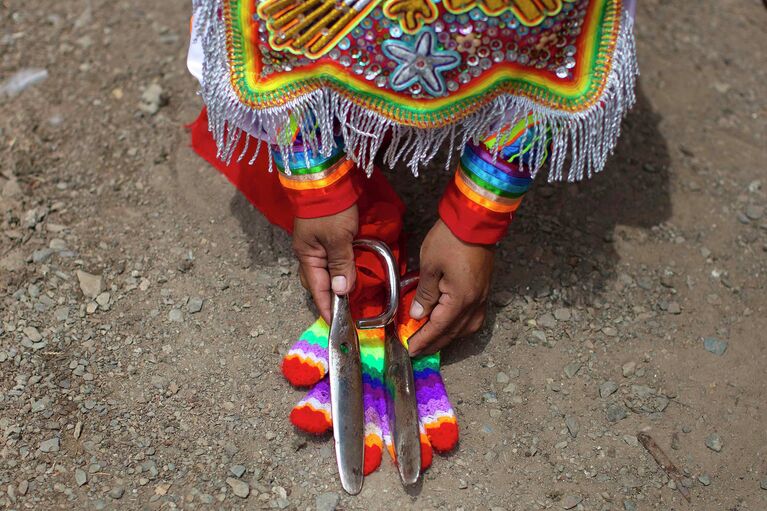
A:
x,y
423,63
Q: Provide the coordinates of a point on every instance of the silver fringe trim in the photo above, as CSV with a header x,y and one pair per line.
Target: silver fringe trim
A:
x,y
585,139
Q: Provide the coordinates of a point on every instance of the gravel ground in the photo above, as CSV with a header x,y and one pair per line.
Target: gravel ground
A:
x,y
144,306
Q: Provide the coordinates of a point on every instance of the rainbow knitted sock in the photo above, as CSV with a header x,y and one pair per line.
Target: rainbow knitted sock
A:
x,y
306,364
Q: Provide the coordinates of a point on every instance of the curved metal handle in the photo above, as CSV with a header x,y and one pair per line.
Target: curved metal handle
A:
x,y
392,275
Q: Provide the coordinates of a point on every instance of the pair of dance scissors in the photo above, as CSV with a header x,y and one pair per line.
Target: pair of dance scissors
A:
x,y
346,389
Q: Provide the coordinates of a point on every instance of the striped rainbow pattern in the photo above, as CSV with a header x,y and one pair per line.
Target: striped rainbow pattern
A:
x,y
307,171
489,181
306,362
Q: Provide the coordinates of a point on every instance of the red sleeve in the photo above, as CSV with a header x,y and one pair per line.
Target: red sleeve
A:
x,y
483,195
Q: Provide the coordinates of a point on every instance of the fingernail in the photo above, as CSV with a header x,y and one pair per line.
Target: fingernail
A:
x,y
339,284
416,310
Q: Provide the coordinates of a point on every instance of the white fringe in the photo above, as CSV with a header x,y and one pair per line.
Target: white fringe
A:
x,y
587,137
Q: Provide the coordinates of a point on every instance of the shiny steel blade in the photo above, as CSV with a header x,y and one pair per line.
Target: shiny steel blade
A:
x,y
346,396
402,408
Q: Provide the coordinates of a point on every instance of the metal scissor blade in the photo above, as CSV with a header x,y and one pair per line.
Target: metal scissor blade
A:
x,y
402,408
346,396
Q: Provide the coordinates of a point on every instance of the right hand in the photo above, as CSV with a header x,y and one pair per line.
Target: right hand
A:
x,y
325,255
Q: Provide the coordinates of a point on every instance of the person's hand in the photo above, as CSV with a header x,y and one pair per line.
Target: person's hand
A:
x,y
325,255
452,291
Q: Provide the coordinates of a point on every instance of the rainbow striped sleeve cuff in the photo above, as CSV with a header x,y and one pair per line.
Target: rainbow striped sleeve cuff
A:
x,y
318,185
480,201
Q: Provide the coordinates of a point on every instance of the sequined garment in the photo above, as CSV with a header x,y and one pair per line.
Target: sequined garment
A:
x,y
417,73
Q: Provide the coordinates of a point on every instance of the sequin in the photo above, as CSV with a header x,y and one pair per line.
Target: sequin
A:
x,y
344,44
372,72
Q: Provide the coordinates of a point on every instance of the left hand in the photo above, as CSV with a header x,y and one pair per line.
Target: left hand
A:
x,y
452,290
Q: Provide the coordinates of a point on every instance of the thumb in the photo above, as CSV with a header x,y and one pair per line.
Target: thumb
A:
x,y
343,273
426,296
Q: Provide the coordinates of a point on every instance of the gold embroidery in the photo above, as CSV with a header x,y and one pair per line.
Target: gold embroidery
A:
x,y
314,27
412,14
528,12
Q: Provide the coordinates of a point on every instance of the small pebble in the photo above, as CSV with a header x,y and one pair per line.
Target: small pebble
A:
x,y
240,488
631,440
50,445
607,388
117,492
572,368
714,442
547,321
80,477
91,285
175,316
616,413
704,479
570,501
195,305
327,501
629,368
754,212
237,470
572,426
715,346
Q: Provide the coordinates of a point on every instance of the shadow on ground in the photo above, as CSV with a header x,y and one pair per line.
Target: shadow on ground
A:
x,y
560,245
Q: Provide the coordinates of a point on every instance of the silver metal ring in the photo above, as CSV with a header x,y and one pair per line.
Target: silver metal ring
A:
x,y
392,276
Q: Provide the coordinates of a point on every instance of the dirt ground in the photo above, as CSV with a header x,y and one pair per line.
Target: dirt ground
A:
x,y
605,292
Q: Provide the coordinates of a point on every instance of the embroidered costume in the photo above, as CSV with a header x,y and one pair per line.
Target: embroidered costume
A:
x,y
329,84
